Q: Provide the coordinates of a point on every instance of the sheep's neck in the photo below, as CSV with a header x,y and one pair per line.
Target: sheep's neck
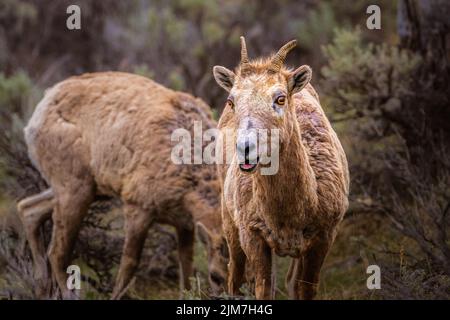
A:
x,y
286,198
208,213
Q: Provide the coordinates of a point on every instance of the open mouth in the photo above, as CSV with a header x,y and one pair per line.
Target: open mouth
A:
x,y
248,167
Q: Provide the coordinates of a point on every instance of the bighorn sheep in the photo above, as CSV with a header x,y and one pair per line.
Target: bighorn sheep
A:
x,y
296,211
110,134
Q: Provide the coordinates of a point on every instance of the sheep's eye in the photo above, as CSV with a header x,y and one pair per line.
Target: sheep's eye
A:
x,y
281,100
230,104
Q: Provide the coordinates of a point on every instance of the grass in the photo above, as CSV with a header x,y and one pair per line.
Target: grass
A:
x,y
360,240
343,274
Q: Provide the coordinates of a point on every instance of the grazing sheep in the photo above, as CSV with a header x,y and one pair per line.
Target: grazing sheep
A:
x,y
296,211
110,134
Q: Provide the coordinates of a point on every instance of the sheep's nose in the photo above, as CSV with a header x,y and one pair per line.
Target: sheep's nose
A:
x,y
246,148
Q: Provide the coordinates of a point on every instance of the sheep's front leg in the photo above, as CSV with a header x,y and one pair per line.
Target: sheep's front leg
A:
x,y
260,258
307,276
236,265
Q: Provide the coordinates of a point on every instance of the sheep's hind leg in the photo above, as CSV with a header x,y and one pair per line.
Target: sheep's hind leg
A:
x,y
33,211
137,223
71,206
294,278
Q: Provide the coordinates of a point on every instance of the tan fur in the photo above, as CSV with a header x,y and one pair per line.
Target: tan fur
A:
x,y
296,211
110,134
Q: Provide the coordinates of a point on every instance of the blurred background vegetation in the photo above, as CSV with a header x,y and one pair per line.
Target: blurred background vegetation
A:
x,y
386,92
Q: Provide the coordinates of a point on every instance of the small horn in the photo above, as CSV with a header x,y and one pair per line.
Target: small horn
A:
x,y
245,67
244,55
278,60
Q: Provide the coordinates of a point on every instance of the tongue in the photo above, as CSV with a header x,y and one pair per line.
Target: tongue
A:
x,y
247,166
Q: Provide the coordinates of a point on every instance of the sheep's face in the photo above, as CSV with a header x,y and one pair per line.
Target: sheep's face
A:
x,y
217,251
259,103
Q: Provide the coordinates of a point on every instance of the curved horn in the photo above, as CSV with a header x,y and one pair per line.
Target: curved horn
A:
x,y
278,59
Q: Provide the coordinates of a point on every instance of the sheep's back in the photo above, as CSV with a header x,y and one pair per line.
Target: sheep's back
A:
x,y
124,123
326,155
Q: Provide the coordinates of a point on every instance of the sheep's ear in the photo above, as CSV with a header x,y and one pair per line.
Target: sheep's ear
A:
x,y
224,77
203,234
299,78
